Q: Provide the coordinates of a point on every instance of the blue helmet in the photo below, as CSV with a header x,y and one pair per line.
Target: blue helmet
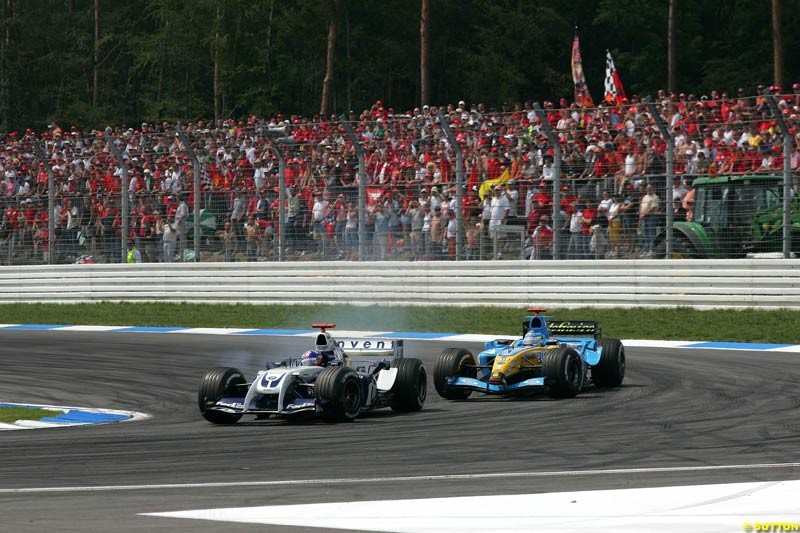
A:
x,y
312,358
532,338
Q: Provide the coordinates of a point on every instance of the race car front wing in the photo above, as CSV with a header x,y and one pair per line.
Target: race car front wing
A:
x,y
495,388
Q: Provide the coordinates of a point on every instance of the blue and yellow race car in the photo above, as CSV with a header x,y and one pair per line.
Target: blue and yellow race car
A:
x,y
556,357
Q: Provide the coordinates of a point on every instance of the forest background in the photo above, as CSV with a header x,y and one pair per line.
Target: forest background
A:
x,y
100,62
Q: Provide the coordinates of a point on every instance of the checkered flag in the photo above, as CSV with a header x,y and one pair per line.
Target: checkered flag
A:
x,y
615,93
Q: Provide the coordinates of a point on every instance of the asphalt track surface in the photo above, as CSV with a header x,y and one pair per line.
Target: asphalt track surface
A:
x,y
679,412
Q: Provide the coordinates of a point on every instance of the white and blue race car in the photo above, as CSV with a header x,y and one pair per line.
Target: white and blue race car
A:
x,y
337,380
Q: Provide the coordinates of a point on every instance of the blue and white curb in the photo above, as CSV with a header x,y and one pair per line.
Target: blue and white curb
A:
x,y
71,416
445,337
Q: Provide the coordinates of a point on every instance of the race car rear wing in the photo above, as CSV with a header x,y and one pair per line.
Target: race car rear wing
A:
x,y
356,348
574,328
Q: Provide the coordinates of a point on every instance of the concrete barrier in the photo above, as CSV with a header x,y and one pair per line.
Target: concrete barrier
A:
x,y
702,284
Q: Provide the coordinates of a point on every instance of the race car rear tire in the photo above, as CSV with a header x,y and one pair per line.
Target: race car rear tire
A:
x,y
563,370
340,392
218,383
453,362
610,371
410,386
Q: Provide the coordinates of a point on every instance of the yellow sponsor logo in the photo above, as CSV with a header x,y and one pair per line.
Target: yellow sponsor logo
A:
x,y
771,525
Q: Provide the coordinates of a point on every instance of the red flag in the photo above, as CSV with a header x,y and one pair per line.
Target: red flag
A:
x,y
582,96
615,93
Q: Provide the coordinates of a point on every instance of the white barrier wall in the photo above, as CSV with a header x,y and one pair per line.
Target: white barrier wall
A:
x,y
702,284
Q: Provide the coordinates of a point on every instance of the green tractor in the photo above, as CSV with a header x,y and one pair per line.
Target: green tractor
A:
x,y
733,216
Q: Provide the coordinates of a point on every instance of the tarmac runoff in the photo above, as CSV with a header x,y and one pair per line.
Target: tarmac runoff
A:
x,y
76,416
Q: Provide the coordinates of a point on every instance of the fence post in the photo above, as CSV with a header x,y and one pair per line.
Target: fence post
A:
x,y
362,197
124,194
281,233
787,175
552,139
196,207
459,183
662,127
51,200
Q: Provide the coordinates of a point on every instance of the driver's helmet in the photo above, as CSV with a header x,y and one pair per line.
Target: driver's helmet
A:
x,y
312,358
532,339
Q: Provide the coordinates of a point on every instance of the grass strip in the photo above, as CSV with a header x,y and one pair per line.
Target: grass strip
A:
x,y
779,326
9,415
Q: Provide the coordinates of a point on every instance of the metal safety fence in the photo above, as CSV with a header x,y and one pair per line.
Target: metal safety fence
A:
x,y
676,178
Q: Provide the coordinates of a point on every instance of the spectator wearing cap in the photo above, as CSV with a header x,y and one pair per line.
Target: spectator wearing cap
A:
x,y
381,237
133,254
181,218
437,234
512,193
435,199
687,201
648,206
539,208
252,237
169,238
530,203
71,220
227,240
574,162
500,210
542,239
614,215
238,216
320,211
339,215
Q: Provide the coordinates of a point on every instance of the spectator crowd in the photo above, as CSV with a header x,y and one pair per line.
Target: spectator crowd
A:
x,y
613,180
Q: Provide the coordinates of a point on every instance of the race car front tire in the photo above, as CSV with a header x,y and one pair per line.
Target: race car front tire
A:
x,y
339,390
453,362
218,383
610,371
563,370
410,386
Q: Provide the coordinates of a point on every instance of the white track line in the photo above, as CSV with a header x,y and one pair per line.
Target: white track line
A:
x,y
443,477
720,508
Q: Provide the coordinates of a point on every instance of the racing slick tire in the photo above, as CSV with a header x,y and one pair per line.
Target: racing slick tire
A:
x,y
339,389
410,386
564,371
218,383
453,362
610,370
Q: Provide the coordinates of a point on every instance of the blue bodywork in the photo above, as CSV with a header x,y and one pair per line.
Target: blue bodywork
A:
x,y
555,333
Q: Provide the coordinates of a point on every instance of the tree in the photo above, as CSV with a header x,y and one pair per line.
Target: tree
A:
x,y
328,81
672,45
777,42
424,39
96,64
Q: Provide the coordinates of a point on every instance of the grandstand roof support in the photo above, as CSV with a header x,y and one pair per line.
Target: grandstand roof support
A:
x,y
670,140
553,140
459,183
51,199
787,174
281,230
362,197
125,207
196,207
